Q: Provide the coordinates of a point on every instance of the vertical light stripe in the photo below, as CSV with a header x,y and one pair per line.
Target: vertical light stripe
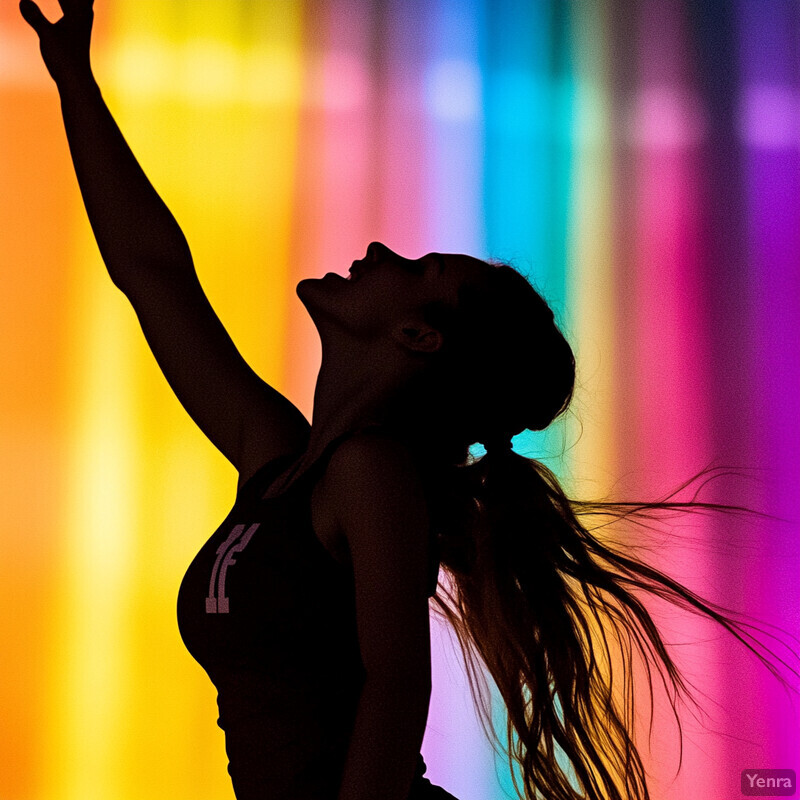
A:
x,y
401,143
453,218
590,286
590,275
334,209
37,202
527,146
518,165
668,350
453,85
90,668
768,38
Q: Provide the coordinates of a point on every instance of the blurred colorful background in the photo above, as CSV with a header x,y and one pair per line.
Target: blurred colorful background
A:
x,y
639,161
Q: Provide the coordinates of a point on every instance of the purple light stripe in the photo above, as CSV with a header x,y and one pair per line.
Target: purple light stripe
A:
x,y
768,41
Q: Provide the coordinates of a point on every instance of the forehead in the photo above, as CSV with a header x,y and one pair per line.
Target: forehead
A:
x,y
458,271
465,267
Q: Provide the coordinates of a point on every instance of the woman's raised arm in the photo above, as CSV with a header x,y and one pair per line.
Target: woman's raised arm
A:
x,y
148,259
133,227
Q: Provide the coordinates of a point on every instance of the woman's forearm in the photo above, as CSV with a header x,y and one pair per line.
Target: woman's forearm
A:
x,y
133,227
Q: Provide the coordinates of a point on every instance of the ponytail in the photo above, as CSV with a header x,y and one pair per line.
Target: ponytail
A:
x,y
533,595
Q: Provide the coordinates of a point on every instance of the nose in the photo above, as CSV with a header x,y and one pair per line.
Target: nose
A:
x,y
378,252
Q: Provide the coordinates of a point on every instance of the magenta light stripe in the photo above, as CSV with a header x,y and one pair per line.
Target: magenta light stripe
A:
x,y
670,366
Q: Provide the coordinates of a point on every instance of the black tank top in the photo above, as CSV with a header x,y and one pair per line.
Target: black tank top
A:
x,y
269,614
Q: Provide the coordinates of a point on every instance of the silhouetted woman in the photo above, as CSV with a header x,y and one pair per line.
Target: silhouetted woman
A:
x,y
308,607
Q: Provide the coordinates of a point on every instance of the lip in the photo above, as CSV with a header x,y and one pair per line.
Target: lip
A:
x,y
356,270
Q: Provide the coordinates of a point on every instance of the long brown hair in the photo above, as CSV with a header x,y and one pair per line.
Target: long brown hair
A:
x,y
535,595
529,588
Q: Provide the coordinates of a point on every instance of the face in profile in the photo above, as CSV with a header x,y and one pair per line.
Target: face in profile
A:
x,y
384,290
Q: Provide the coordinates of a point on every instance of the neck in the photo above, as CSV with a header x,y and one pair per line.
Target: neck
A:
x,y
348,396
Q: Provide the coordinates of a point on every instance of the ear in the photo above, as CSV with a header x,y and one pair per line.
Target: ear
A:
x,y
418,336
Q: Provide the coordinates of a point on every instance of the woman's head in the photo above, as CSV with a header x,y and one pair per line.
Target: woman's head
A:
x,y
482,352
505,364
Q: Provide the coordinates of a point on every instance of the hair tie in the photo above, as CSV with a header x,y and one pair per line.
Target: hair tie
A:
x,y
498,444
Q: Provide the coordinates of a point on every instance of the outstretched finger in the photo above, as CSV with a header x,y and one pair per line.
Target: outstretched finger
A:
x,y
33,16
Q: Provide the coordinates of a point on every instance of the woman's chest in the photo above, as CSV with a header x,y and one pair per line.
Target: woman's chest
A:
x,y
263,583
264,556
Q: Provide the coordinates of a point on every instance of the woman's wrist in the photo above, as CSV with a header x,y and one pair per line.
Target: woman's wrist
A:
x,y
76,82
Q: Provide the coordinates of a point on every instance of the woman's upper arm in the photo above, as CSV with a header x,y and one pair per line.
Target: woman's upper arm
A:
x,y
379,505
244,417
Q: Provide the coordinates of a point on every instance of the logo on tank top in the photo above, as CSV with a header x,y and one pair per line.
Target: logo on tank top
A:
x,y
236,542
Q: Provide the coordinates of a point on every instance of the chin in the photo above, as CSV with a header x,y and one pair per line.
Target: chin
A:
x,y
310,291
313,296
303,286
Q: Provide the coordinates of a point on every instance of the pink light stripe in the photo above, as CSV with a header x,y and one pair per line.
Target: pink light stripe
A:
x,y
669,363
402,223
332,215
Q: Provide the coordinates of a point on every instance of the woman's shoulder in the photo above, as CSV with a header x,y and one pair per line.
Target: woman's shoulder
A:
x,y
372,446
260,478
372,474
371,451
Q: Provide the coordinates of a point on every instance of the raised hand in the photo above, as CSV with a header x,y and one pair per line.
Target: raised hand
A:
x,y
64,44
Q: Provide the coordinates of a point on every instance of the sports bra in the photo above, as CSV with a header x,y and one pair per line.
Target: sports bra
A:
x,y
270,615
